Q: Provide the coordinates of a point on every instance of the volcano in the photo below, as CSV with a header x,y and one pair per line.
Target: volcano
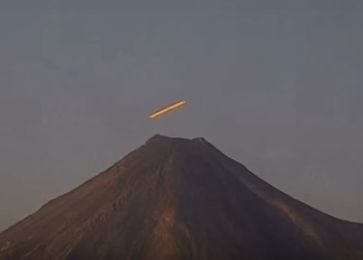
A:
x,y
179,199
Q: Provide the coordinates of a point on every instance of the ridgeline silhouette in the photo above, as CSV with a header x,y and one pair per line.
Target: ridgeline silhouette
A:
x,y
179,199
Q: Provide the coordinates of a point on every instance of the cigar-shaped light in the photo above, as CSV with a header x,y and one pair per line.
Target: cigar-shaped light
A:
x,y
167,109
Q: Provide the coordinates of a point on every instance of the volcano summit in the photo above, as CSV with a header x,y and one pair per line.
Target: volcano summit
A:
x,y
176,199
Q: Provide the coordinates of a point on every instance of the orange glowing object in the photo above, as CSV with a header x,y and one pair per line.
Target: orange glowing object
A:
x,y
167,109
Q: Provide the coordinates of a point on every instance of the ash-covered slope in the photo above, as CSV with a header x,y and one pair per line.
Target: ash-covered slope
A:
x,y
176,198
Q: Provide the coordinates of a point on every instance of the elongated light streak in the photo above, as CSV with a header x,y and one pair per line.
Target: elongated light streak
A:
x,y
167,109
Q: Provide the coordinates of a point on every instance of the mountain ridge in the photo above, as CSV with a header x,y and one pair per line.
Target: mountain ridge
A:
x,y
178,198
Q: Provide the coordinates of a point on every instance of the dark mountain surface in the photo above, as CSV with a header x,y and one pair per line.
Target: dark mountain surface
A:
x,y
176,198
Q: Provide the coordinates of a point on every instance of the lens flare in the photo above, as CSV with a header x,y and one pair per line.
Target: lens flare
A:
x,y
167,109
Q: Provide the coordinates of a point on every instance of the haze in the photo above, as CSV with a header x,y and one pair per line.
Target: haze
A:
x,y
276,85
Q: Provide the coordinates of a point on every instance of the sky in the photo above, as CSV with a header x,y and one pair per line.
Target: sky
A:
x,y
276,85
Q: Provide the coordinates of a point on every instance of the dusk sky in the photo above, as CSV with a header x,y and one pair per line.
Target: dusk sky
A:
x,y
276,85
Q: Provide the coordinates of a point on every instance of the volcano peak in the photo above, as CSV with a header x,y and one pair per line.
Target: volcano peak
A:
x,y
178,198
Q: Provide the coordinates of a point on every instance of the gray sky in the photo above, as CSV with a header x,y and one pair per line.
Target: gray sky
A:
x,y
276,85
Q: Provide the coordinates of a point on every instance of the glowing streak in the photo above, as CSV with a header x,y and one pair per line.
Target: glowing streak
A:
x,y
167,109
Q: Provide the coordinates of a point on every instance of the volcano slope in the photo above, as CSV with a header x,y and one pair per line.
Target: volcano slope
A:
x,y
176,198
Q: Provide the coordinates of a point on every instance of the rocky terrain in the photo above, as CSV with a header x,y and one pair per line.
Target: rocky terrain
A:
x,y
176,198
